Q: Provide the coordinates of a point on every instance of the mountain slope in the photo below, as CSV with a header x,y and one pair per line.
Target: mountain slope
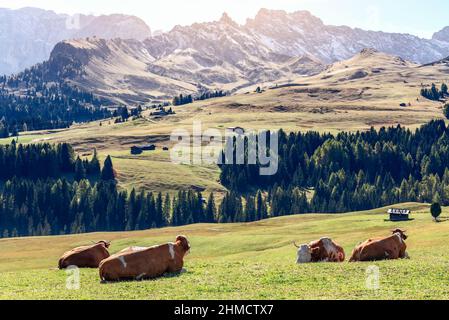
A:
x,y
275,47
125,70
442,35
28,35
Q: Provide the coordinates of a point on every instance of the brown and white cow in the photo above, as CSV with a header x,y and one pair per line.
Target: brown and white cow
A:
x,y
134,249
323,250
388,248
145,263
86,256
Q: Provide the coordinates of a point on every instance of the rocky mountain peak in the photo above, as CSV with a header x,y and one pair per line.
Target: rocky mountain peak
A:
x,y
265,14
28,35
442,35
125,27
226,19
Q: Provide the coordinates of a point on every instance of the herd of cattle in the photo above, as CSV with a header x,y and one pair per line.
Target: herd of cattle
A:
x,y
326,250
140,263
133,263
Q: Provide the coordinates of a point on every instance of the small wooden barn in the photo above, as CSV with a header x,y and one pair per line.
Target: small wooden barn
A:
x,y
136,150
140,149
399,214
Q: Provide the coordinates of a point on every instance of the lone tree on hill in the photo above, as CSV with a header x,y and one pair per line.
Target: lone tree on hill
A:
x,y
435,210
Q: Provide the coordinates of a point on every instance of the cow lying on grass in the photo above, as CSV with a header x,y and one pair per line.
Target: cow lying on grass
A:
x,y
133,249
323,250
388,248
86,256
146,263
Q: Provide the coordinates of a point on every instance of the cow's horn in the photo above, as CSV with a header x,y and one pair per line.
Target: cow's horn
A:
x,y
294,243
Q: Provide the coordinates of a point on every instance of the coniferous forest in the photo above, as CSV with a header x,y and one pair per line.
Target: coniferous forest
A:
x,y
36,100
434,93
47,190
348,172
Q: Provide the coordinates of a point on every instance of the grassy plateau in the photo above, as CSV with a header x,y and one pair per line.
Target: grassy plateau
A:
x,y
255,260
246,261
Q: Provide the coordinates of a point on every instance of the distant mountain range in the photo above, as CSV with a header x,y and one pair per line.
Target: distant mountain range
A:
x,y
275,46
28,35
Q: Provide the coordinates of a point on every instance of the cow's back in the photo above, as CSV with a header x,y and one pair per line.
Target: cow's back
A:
x,y
84,257
138,264
387,248
326,249
355,256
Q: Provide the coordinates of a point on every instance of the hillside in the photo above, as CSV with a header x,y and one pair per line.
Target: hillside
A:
x,y
251,261
125,71
351,95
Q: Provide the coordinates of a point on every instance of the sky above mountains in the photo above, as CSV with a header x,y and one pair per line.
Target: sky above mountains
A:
x,y
421,18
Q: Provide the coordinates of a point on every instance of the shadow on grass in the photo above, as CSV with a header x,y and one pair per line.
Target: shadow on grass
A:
x,y
141,279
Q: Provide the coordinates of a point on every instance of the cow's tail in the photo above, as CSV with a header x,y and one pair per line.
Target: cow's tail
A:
x,y
103,275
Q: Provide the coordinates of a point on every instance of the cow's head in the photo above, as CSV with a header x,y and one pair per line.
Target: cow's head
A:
x,y
304,254
105,243
316,254
184,243
401,233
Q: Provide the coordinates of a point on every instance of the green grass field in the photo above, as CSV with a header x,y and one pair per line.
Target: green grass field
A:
x,y
245,261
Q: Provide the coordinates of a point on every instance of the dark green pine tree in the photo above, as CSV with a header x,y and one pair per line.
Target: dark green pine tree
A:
x,y
176,214
167,209
211,211
199,207
94,165
108,173
66,157
250,209
131,209
443,91
261,207
435,94
160,217
80,171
